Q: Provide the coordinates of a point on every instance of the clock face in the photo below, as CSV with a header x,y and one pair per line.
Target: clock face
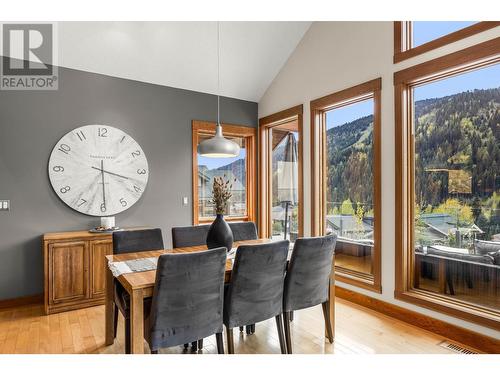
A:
x,y
98,170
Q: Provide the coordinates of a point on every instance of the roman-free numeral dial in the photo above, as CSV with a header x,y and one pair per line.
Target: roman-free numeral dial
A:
x,y
98,170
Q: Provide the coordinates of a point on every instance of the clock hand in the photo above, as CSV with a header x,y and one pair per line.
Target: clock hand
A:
x,y
103,189
114,174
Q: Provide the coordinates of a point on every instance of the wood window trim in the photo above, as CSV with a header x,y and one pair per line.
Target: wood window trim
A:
x,y
477,56
265,204
250,135
319,107
402,38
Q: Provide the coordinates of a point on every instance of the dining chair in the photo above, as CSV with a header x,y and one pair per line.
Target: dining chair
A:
x,y
255,292
307,280
193,235
187,302
190,236
128,241
244,231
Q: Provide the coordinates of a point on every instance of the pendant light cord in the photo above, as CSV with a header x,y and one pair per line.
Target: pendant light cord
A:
x,y
218,73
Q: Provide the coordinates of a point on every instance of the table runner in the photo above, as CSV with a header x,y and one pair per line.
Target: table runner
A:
x,y
131,266
149,264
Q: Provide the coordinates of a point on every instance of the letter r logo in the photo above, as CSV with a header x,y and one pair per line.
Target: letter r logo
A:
x,y
27,49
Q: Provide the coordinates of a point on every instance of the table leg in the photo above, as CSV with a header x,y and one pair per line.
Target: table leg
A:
x,y
137,322
109,307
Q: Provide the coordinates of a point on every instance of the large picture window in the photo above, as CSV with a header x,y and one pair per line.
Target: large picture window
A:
x,y
281,174
240,170
346,165
448,183
412,38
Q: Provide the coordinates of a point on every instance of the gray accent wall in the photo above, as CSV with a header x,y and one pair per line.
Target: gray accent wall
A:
x,y
31,122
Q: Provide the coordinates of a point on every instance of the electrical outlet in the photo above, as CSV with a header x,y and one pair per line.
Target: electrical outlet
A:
x,y
4,205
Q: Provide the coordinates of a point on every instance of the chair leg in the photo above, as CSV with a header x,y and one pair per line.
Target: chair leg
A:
x,y
248,329
288,337
291,316
279,326
200,344
241,328
194,346
186,346
127,336
468,277
115,322
328,323
154,351
449,282
253,328
230,342
220,343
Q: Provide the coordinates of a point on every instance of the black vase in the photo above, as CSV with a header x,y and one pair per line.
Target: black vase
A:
x,y
220,234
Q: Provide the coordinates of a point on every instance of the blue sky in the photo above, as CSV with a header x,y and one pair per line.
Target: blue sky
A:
x,y
341,115
485,78
425,31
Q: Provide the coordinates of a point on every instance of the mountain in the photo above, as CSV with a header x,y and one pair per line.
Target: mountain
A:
x,y
350,161
456,132
238,168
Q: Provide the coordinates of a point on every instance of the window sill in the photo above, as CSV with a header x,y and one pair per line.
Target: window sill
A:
x,y
358,279
434,301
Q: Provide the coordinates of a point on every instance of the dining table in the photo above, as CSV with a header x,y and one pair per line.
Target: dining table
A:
x,y
140,285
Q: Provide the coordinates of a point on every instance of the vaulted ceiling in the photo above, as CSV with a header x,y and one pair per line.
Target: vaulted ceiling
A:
x,y
183,54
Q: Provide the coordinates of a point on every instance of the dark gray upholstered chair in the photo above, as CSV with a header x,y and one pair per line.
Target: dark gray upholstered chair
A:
x,y
195,235
307,280
187,300
255,293
129,241
189,236
245,231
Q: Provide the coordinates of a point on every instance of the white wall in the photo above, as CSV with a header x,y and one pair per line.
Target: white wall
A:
x,y
336,55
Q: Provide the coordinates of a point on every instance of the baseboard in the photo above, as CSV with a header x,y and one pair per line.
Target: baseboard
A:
x,y
21,301
462,335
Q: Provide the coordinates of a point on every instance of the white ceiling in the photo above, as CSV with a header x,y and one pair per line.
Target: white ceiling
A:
x,y
183,54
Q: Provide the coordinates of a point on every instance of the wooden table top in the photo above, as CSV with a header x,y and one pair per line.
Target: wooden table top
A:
x,y
146,279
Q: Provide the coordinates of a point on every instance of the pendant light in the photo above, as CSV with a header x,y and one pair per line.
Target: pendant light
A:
x,y
218,146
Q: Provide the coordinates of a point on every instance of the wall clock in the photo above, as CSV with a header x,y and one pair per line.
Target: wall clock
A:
x,y
98,170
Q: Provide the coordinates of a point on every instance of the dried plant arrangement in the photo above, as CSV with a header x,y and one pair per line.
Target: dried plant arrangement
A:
x,y
221,193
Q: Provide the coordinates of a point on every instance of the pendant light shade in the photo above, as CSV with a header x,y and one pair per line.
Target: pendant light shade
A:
x,y
218,146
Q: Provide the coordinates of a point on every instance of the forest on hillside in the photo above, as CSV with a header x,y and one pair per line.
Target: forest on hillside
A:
x,y
458,133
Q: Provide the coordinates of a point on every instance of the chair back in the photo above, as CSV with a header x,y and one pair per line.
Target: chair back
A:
x,y
128,241
188,297
189,236
308,275
244,231
256,289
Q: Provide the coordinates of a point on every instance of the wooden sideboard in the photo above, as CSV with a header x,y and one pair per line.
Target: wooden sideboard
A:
x,y
74,274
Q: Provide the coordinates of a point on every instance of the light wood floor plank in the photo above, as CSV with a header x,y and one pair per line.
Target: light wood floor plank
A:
x,y
358,331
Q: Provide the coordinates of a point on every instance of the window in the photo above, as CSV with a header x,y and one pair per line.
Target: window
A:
x,y
346,167
281,209
448,183
412,38
240,170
